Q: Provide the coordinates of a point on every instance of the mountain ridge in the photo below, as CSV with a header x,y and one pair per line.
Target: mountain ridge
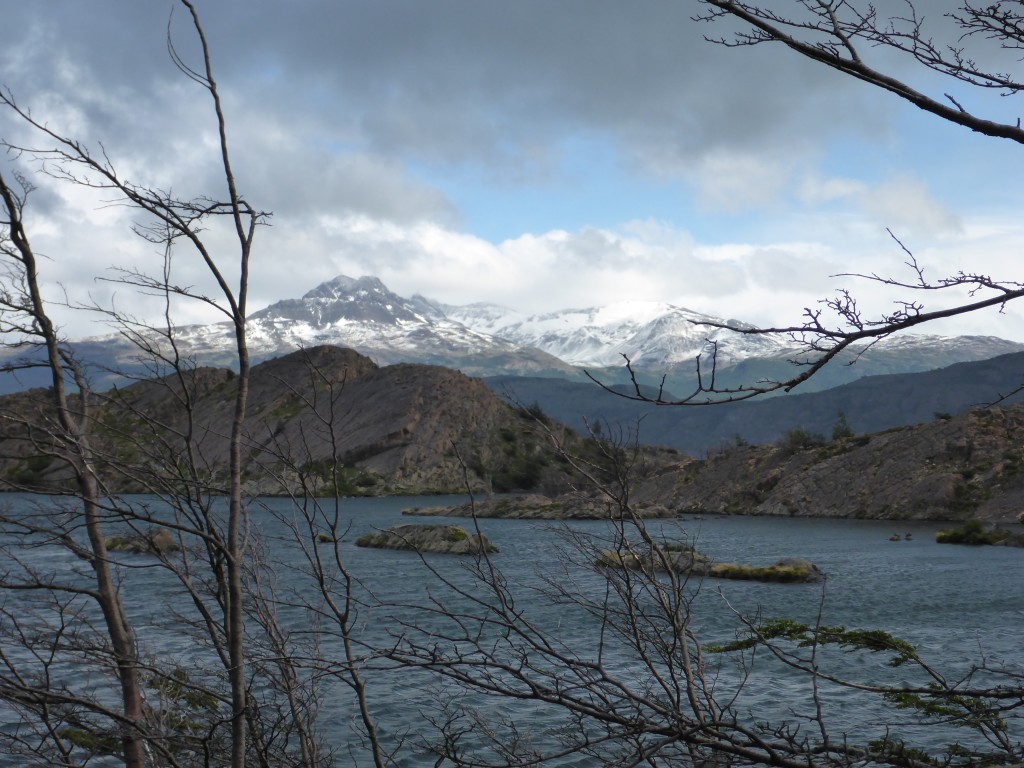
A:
x,y
488,339
870,404
329,421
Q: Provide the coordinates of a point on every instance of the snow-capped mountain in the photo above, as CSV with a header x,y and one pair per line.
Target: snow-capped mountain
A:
x,y
650,334
489,339
483,338
362,314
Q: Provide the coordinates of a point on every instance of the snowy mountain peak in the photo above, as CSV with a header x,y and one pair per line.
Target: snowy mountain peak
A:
x,y
363,314
344,286
345,300
479,315
652,334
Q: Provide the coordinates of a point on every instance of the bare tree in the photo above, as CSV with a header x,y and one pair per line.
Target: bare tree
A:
x,y
65,430
250,690
640,688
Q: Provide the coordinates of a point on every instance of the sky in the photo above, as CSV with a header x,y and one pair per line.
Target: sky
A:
x,y
539,155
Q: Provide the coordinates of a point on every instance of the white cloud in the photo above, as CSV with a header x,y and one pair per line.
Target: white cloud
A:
x,y
735,182
903,203
813,190
910,208
764,282
646,260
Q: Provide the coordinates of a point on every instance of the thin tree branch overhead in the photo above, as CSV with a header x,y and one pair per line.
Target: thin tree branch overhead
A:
x,y
847,35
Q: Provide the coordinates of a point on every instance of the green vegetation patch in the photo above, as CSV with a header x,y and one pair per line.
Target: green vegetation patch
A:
x,y
799,439
328,479
97,743
782,573
773,631
972,532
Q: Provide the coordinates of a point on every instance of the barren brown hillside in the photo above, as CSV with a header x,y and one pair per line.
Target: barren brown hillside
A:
x,y
971,465
397,429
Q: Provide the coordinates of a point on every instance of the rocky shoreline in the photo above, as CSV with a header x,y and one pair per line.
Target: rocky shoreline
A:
x,y
538,507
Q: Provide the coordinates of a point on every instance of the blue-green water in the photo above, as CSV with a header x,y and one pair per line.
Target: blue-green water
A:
x,y
955,604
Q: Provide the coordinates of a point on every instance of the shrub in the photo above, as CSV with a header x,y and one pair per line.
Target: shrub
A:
x,y
534,412
798,439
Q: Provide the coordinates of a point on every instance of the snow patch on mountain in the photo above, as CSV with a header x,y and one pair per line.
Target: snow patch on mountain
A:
x,y
648,333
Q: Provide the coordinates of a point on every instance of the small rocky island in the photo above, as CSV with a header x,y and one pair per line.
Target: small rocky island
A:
x,y
438,539
684,559
156,541
570,506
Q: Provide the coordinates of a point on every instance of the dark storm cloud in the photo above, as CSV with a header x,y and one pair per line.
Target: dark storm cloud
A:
x,y
449,81
461,81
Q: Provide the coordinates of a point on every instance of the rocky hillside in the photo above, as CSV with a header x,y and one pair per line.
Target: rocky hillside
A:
x,y
952,468
397,429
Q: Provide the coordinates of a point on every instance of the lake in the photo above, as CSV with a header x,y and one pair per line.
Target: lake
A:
x,y
953,603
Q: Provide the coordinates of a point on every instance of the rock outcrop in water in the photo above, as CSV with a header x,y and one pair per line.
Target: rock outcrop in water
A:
x,y
157,541
975,533
684,559
788,570
438,539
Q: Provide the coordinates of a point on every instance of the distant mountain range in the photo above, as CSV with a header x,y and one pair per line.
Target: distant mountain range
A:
x,y
491,340
482,339
869,404
653,335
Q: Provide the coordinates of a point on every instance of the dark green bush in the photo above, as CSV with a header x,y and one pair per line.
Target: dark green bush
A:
x,y
798,439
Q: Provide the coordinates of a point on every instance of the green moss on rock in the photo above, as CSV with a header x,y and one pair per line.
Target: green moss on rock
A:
x,y
683,558
793,570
